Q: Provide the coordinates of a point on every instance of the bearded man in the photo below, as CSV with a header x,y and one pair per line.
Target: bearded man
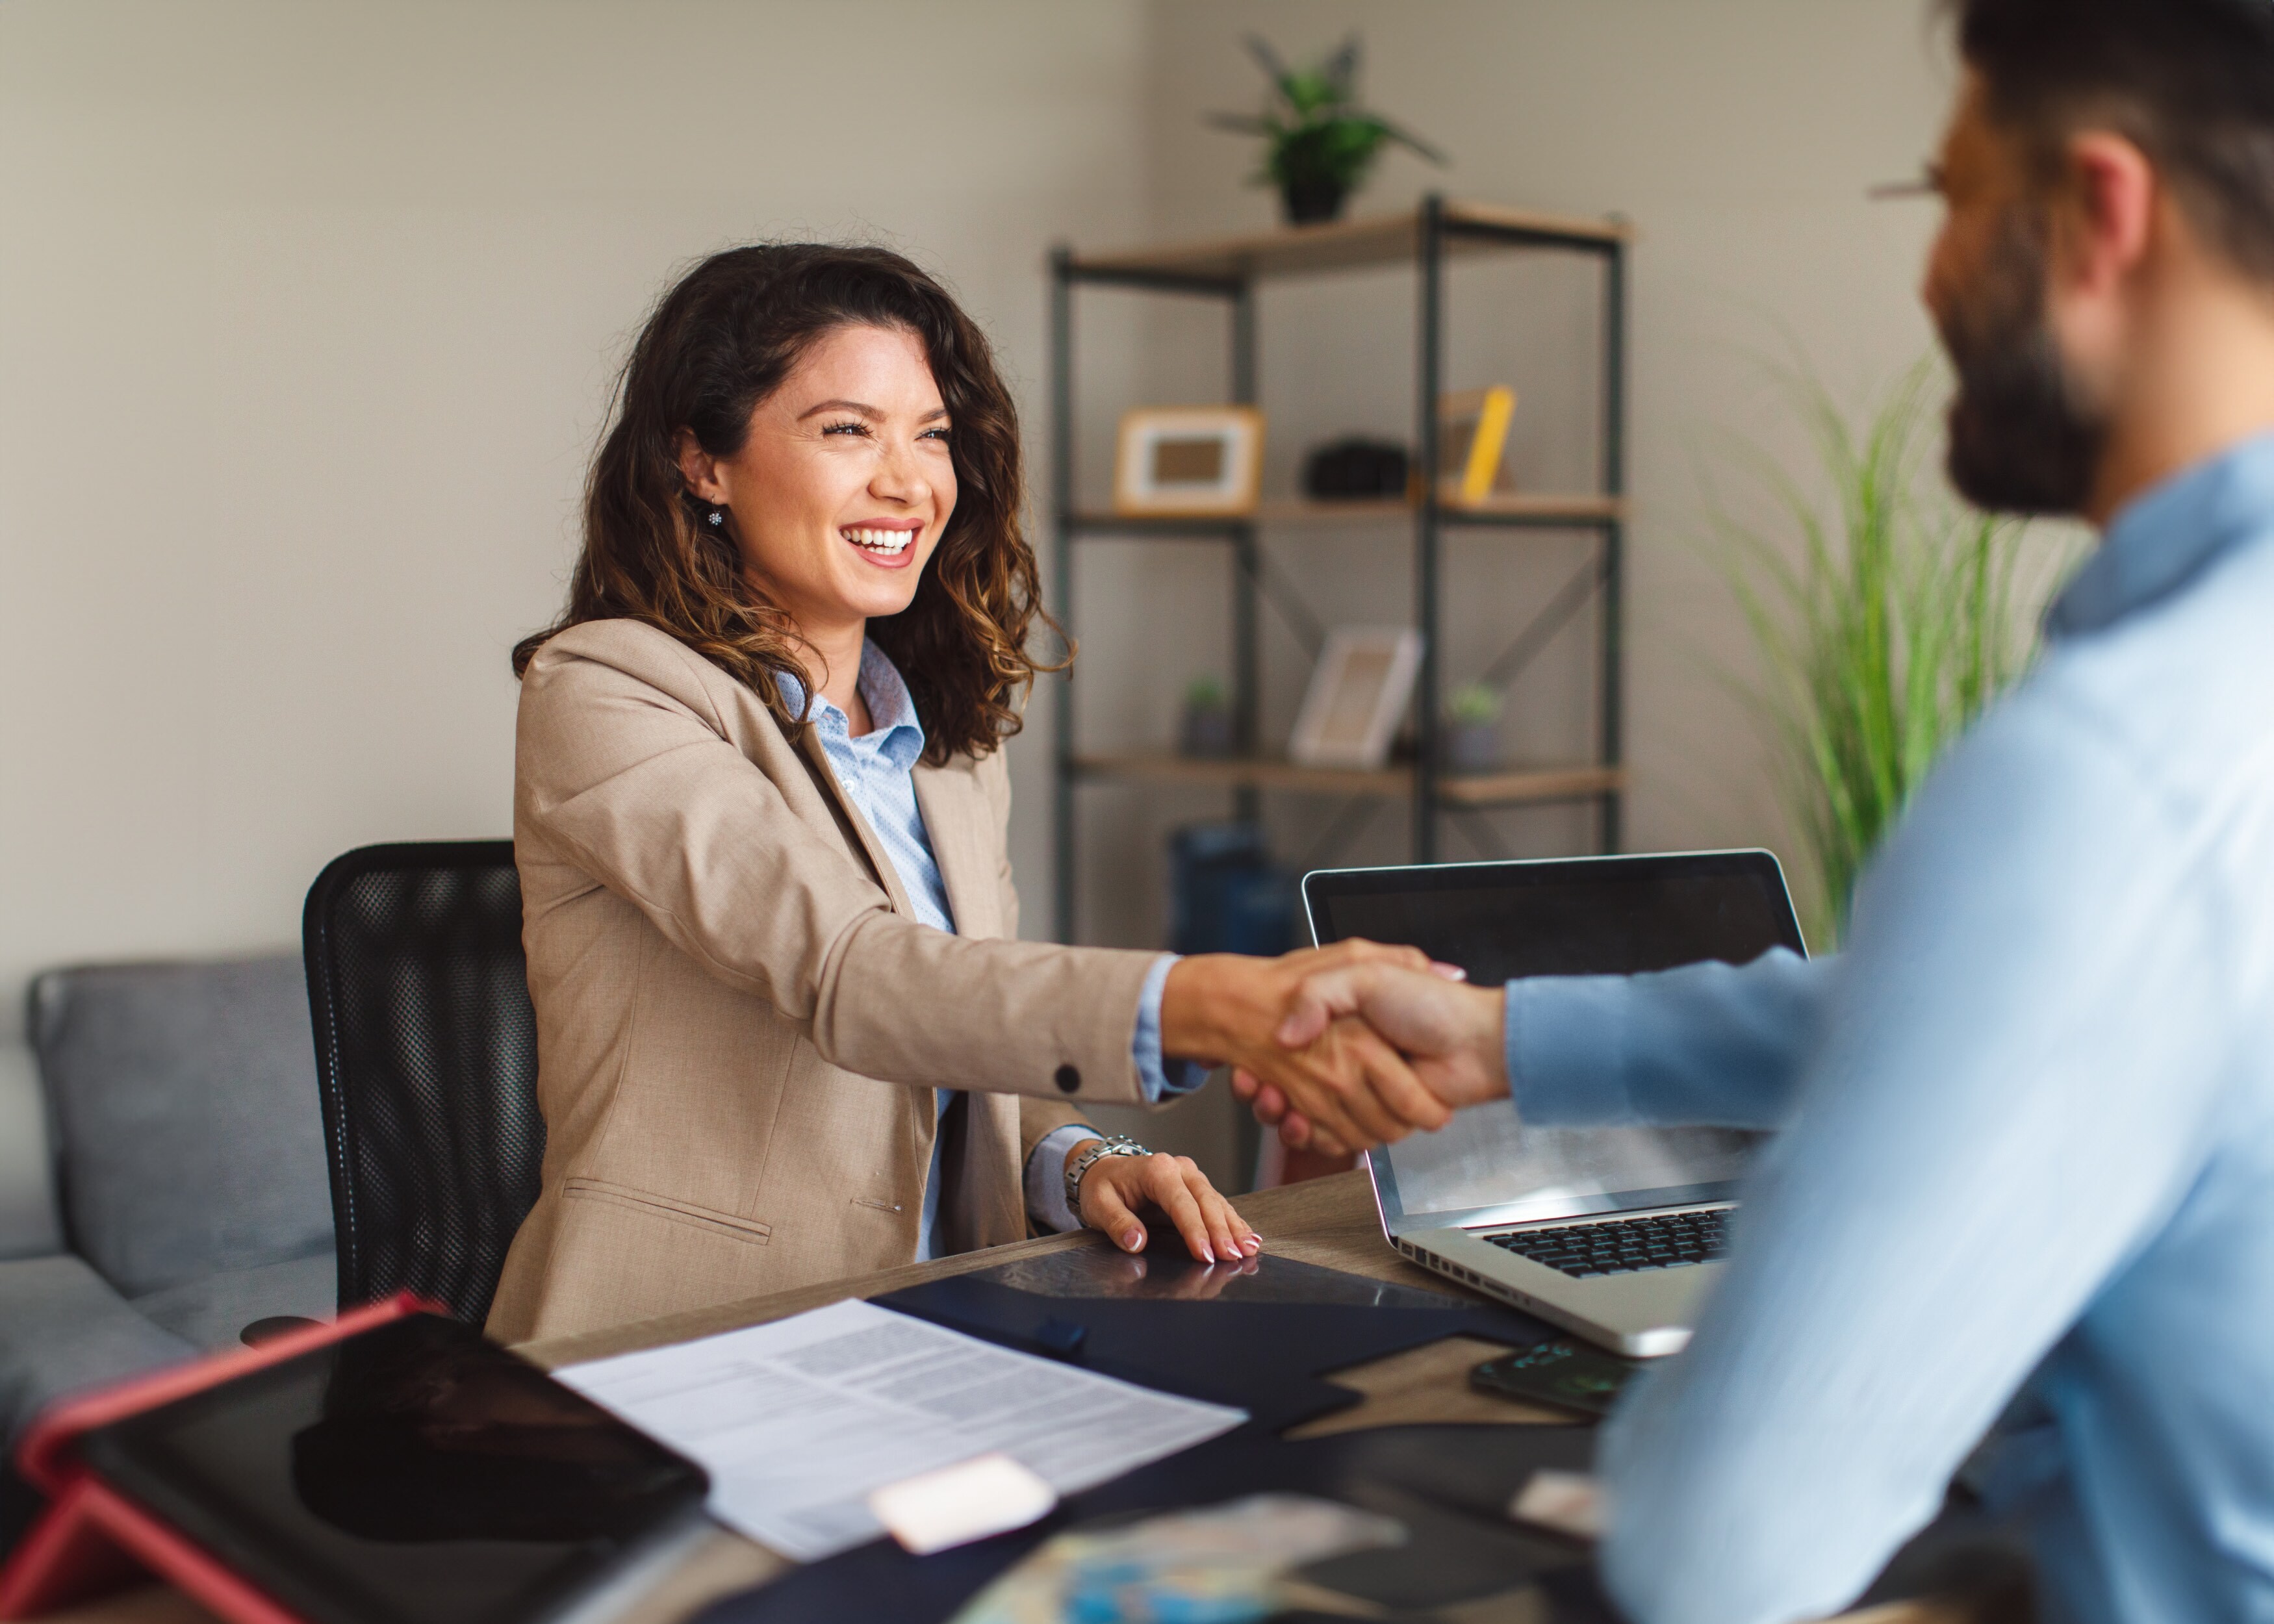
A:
x,y
2027,1170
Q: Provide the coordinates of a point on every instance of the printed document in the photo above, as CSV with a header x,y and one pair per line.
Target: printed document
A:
x,y
799,1421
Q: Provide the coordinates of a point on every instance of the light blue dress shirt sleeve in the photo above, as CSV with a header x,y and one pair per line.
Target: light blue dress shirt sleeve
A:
x,y
1707,1044
1163,1078
1046,1202
2008,1081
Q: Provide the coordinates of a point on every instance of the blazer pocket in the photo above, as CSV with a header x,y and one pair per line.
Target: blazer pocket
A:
x,y
663,1206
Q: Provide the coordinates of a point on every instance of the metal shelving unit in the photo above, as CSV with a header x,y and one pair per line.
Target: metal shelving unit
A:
x,y
1228,269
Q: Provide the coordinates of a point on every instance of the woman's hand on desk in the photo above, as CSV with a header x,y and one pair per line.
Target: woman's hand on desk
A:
x,y
1116,1188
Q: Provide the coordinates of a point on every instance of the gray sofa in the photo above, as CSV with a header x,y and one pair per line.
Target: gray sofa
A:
x,y
162,1172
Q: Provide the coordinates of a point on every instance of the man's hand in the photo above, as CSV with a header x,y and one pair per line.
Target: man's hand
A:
x,y
1451,1034
1341,1076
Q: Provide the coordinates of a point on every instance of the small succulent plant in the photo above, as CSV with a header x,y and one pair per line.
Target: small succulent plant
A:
x,y
1321,142
1472,702
1207,729
1207,693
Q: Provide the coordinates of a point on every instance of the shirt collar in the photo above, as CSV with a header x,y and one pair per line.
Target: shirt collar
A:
x,y
898,735
2164,538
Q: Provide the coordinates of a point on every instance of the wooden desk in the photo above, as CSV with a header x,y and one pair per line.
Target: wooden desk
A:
x,y
1330,1221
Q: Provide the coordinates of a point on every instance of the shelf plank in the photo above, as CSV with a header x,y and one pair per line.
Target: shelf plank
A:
x,y
1346,245
1514,508
1104,521
1537,508
1164,767
1500,789
1301,510
1520,506
1509,788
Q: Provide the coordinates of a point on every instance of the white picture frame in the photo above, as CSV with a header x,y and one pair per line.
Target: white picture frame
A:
x,y
1357,694
1188,462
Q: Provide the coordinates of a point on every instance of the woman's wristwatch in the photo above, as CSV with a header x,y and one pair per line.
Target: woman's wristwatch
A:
x,y
1113,1144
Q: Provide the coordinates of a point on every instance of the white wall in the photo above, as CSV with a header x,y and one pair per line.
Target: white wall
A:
x,y
307,319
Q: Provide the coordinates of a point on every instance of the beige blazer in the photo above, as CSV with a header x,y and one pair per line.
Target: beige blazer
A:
x,y
739,1022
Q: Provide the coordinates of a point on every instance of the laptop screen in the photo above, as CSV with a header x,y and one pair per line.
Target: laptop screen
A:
x,y
1581,916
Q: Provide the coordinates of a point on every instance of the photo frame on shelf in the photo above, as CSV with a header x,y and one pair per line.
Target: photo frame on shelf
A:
x,y
1472,444
1188,462
1357,695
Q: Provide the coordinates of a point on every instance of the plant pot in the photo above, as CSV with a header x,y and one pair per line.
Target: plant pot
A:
x,y
1205,732
1472,747
1313,199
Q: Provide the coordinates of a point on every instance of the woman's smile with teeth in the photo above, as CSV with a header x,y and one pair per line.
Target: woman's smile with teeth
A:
x,y
877,540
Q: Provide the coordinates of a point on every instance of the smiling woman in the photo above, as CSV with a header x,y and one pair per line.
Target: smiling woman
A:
x,y
785,1031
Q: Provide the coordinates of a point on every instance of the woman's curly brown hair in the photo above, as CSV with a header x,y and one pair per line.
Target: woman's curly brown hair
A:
x,y
721,341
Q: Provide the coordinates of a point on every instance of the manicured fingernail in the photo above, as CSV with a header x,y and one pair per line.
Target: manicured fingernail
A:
x,y
1134,1239
1206,1256
1251,1245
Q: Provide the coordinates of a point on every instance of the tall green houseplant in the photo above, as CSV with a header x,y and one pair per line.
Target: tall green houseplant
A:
x,y
1884,633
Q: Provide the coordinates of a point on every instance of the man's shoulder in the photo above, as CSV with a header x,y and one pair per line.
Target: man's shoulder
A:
x,y
2179,693
2144,748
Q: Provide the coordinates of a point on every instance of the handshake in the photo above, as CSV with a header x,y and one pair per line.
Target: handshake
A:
x,y
1340,1048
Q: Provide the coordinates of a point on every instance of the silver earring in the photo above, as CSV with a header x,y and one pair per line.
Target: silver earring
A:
x,y
718,516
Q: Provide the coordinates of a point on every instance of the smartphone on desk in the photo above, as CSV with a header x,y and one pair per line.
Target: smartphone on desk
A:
x,y
412,1474
1562,1374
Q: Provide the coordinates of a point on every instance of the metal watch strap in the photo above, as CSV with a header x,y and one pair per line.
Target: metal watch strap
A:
x,y
1111,1145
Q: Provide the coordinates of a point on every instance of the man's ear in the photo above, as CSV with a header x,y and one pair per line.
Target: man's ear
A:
x,y
697,467
2104,212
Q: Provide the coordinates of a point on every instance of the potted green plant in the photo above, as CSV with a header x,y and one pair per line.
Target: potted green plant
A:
x,y
1471,728
1319,142
1205,729
1886,625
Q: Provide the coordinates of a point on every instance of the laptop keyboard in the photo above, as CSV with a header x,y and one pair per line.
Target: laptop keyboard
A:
x,y
1622,1245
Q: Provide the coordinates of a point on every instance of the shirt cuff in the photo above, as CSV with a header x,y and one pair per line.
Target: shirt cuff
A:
x,y
1566,1037
1161,1079
1046,1202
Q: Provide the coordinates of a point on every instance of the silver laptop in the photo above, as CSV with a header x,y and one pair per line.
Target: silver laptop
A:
x,y
1609,1232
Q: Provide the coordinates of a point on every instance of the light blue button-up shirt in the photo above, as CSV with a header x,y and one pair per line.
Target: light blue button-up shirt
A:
x,y
2029,1140
876,770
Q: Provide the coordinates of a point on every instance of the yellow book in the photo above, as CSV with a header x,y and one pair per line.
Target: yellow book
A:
x,y
1474,429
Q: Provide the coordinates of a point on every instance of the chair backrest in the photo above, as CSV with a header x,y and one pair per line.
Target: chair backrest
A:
x,y
426,1055
184,1127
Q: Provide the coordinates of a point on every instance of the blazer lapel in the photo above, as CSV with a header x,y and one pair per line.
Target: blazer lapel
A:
x,y
982,1201
955,818
887,877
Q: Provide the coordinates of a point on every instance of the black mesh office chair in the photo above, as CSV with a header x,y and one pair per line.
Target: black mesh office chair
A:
x,y
426,1055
